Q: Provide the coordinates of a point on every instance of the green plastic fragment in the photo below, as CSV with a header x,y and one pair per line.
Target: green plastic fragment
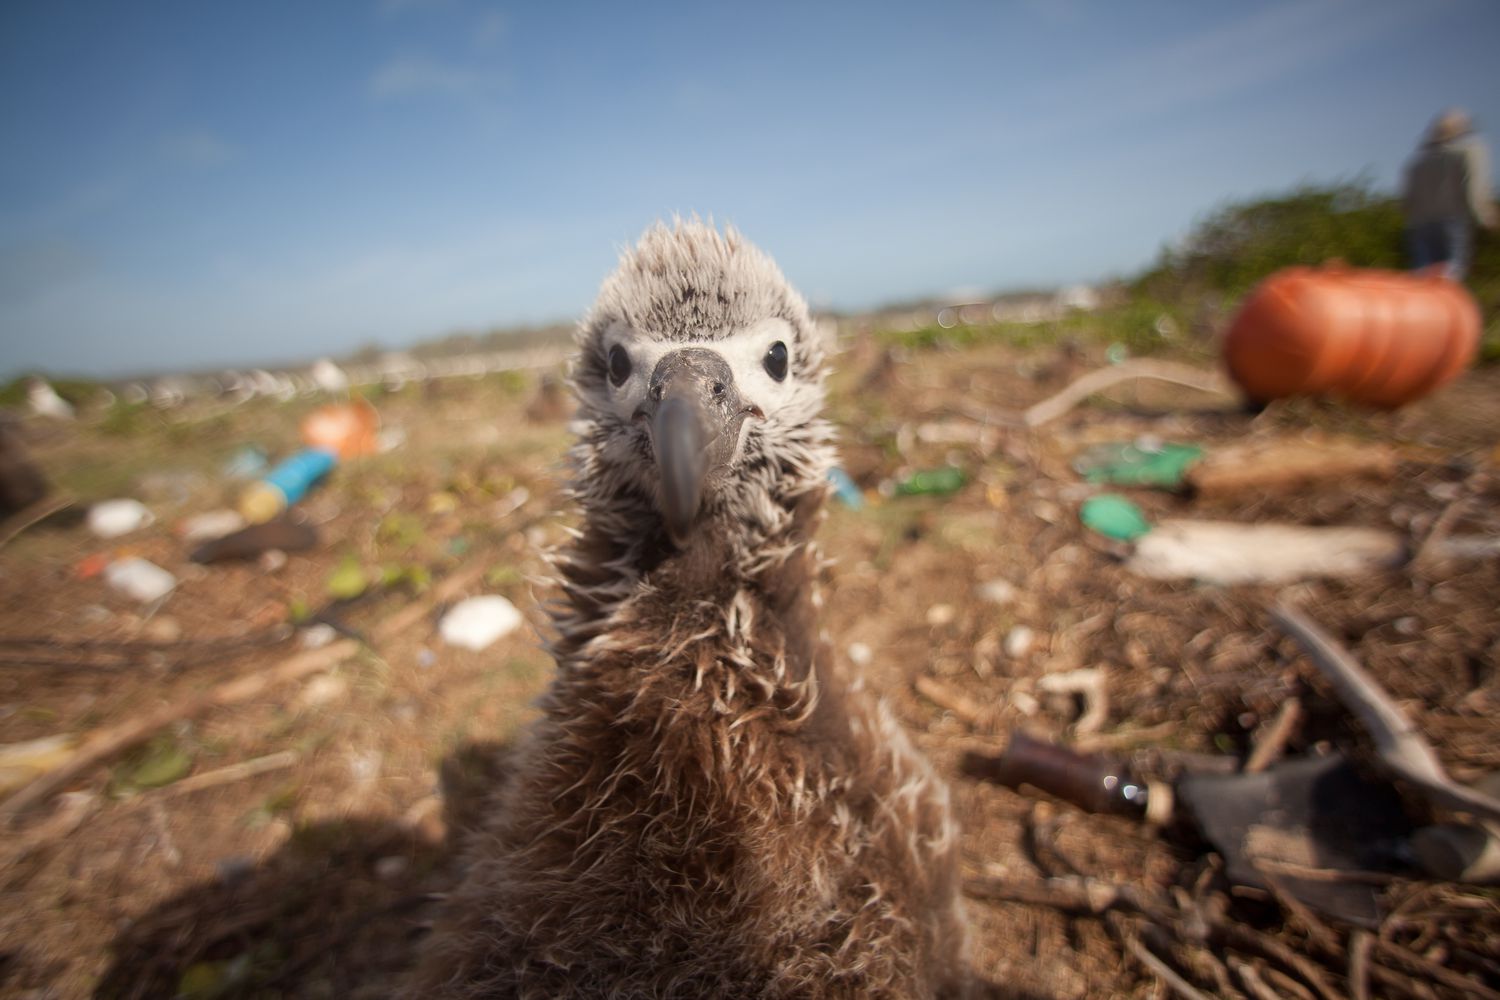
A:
x,y
1128,464
940,482
1113,516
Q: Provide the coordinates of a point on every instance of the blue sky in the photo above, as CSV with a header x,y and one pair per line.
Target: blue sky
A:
x,y
194,184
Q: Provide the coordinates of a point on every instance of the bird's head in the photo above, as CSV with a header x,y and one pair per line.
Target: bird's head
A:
x,y
700,378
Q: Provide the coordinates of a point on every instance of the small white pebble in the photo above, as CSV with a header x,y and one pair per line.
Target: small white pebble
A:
x,y
941,614
997,591
317,636
1018,642
321,690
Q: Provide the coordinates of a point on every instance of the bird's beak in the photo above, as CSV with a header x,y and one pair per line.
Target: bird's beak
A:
x,y
694,413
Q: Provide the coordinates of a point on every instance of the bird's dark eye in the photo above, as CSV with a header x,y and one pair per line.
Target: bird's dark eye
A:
x,y
619,365
776,361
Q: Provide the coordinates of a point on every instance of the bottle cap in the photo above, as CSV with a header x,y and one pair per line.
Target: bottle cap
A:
x,y
262,502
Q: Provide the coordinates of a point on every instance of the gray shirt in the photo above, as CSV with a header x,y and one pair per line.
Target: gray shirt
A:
x,y
1448,181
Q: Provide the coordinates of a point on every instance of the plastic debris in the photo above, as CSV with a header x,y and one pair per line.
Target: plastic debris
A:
x,y
348,580
1097,783
209,525
45,402
1138,463
246,463
932,482
91,566
1228,553
1309,812
286,484
142,580
317,636
348,430
113,518
1113,516
280,535
478,622
1458,853
845,489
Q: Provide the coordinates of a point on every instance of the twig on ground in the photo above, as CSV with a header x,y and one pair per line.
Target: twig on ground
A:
x,y
111,740
225,775
945,696
1287,985
72,810
1360,943
34,514
1320,933
1272,742
1433,970
1096,381
1252,981
1161,969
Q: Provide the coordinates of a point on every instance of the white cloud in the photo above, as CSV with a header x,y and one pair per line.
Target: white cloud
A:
x,y
420,76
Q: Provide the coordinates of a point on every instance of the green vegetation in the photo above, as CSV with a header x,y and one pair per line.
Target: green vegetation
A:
x,y
1192,289
1236,246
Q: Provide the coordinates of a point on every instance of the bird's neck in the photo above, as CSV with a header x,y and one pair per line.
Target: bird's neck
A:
x,y
759,543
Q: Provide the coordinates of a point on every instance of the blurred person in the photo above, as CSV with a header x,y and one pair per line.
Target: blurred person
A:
x,y
1446,192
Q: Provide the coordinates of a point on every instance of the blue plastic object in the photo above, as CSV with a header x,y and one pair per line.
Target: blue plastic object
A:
x,y
845,489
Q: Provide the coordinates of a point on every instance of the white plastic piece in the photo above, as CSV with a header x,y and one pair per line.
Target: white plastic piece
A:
x,y
145,581
113,518
478,622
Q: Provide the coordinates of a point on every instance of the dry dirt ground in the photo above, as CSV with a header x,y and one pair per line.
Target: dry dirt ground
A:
x,y
314,876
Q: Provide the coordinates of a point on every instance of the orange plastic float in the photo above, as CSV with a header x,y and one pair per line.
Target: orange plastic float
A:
x,y
347,429
1383,338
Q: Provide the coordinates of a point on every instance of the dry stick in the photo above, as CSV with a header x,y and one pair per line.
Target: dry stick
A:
x,y
1163,371
1093,897
1287,985
1272,743
1244,937
69,816
1400,744
1434,970
943,696
1251,980
223,776
37,512
1360,943
1162,970
1322,935
105,743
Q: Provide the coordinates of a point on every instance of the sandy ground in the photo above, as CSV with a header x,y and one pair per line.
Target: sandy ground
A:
x,y
315,876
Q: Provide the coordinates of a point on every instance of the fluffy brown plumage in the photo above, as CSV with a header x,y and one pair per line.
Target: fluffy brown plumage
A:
x,y
708,807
